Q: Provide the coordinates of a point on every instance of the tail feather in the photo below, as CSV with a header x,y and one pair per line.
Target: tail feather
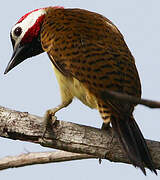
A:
x,y
133,142
144,151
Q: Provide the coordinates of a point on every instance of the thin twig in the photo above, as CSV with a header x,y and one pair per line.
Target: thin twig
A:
x,y
125,98
40,158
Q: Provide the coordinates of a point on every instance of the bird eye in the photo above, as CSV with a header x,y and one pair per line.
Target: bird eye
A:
x,y
18,31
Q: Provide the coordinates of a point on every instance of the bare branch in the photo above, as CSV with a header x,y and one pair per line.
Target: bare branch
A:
x,y
40,158
125,98
67,136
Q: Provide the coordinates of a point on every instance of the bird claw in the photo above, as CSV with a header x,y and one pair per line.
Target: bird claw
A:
x,y
100,160
49,120
106,127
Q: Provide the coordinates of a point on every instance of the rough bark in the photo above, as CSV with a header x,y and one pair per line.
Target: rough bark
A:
x,y
87,141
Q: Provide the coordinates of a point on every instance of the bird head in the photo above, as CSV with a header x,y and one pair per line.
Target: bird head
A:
x,y
25,37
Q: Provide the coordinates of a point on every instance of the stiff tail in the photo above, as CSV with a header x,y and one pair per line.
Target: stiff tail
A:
x,y
133,142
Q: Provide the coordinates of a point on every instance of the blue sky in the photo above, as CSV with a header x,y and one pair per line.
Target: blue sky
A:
x,y
32,86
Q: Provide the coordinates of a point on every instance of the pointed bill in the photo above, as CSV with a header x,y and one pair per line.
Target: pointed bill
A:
x,y
17,58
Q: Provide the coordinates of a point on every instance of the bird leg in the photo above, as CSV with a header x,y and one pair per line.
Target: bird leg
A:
x,y
105,127
50,118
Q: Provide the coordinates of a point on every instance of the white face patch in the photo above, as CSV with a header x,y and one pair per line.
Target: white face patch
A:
x,y
26,24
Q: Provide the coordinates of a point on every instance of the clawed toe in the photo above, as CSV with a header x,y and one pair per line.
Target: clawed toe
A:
x,y
49,120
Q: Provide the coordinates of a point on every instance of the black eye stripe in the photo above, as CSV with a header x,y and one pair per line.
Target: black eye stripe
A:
x,y
18,31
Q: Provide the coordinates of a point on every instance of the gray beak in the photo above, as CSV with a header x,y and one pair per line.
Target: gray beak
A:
x,y
17,57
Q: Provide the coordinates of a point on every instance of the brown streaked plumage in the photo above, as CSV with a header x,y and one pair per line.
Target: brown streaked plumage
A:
x,y
89,56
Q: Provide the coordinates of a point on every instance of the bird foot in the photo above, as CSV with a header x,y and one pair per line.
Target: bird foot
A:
x,y
49,120
100,160
106,127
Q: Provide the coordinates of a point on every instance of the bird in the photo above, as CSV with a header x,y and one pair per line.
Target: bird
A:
x,y
89,56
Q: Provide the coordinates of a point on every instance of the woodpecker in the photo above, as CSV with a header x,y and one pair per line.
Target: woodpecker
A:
x,y
89,56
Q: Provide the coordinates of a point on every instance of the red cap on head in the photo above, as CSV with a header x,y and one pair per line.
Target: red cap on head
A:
x,y
35,29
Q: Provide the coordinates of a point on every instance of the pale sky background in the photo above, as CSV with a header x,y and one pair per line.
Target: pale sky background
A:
x,y
32,86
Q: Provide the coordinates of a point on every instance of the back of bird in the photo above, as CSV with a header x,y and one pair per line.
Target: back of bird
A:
x,y
89,44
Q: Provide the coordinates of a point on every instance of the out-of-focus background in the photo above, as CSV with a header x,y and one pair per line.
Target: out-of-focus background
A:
x,y
32,87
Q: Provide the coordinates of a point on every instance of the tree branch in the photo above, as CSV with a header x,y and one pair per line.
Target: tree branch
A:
x,y
125,98
89,142
40,158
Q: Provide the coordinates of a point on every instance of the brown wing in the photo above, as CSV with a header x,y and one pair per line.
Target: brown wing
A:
x,y
89,47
